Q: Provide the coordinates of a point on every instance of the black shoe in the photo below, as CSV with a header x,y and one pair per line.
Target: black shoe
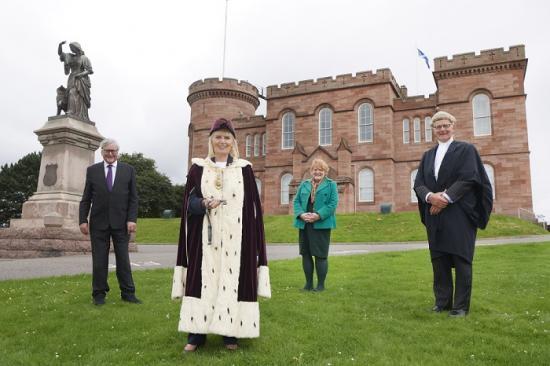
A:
x,y
459,313
99,300
439,309
130,298
319,289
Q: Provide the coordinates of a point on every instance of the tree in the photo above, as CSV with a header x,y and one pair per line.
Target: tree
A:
x,y
154,189
17,183
178,198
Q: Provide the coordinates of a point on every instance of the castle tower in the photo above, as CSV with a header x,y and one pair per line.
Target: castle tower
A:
x,y
497,76
213,98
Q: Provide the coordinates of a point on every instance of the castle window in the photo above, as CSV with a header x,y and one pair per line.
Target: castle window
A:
x,y
366,185
406,135
288,131
248,146
491,174
417,131
257,145
366,122
428,129
481,106
285,192
325,127
264,146
413,193
259,186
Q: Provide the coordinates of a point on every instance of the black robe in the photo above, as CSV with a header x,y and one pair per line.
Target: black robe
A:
x,y
463,177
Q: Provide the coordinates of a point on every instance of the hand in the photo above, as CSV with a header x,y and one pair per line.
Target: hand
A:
x,y
132,226
84,228
315,217
210,203
438,200
435,210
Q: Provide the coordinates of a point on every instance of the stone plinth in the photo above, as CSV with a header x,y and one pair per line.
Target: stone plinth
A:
x,y
69,147
45,242
49,221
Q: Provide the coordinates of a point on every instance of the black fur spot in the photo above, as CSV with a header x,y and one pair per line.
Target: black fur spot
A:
x,y
205,318
227,310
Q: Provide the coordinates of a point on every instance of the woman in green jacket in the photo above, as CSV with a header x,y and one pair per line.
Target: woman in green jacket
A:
x,y
314,207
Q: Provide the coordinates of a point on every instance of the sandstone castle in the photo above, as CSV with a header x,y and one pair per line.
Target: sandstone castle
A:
x,y
371,133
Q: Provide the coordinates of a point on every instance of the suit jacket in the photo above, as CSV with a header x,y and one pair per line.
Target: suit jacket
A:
x,y
109,209
463,177
326,200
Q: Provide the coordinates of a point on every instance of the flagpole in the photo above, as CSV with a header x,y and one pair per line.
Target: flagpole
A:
x,y
224,37
416,68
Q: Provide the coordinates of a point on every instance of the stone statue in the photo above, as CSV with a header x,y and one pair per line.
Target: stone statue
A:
x,y
75,99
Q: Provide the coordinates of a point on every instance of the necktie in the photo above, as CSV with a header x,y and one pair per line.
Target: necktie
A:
x,y
109,177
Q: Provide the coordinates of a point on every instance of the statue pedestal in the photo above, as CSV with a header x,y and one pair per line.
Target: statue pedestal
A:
x,y
49,221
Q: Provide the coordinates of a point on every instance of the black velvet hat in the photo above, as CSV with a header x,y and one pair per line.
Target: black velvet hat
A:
x,y
222,124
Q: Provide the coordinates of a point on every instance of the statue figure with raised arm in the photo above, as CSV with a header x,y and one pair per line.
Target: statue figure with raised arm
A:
x,y
75,99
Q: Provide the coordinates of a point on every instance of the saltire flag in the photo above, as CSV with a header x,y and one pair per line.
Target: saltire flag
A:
x,y
423,55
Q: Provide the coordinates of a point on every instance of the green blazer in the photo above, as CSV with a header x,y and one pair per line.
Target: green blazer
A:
x,y
326,200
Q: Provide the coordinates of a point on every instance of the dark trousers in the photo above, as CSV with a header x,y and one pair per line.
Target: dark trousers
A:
x,y
101,240
197,339
443,282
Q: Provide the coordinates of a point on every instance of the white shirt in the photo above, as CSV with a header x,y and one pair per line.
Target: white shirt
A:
x,y
440,154
221,164
113,168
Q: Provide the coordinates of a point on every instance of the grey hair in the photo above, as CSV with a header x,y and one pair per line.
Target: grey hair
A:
x,y
109,141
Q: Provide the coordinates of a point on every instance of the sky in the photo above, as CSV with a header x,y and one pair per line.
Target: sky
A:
x,y
145,54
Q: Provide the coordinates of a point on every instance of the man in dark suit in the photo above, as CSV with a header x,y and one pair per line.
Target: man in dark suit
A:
x,y
111,192
454,199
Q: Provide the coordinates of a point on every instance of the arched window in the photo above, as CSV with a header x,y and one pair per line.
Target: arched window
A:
x,y
257,145
285,193
413,194
264,142
491,174
259,186
428,129
248,145
406,135
481,106
365,121
288,131
325,127
417,131
366,185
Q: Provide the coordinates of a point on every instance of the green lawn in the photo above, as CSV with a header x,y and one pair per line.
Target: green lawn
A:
x,y
363,227
376,311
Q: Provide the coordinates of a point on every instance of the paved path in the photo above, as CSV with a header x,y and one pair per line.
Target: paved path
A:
x,y
164,256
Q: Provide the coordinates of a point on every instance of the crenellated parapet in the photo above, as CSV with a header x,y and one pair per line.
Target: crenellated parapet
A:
x,y
224,88
491,60
414,102
329,83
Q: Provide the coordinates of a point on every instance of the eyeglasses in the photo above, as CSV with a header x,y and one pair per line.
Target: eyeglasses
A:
x,y
442,126
110,151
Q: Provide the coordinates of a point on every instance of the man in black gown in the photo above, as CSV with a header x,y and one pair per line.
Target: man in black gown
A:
x,y
454,199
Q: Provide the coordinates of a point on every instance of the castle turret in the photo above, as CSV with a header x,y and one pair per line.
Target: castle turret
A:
x,y
214,98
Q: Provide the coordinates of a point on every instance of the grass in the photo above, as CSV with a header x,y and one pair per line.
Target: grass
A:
x,y
376,311
363,227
